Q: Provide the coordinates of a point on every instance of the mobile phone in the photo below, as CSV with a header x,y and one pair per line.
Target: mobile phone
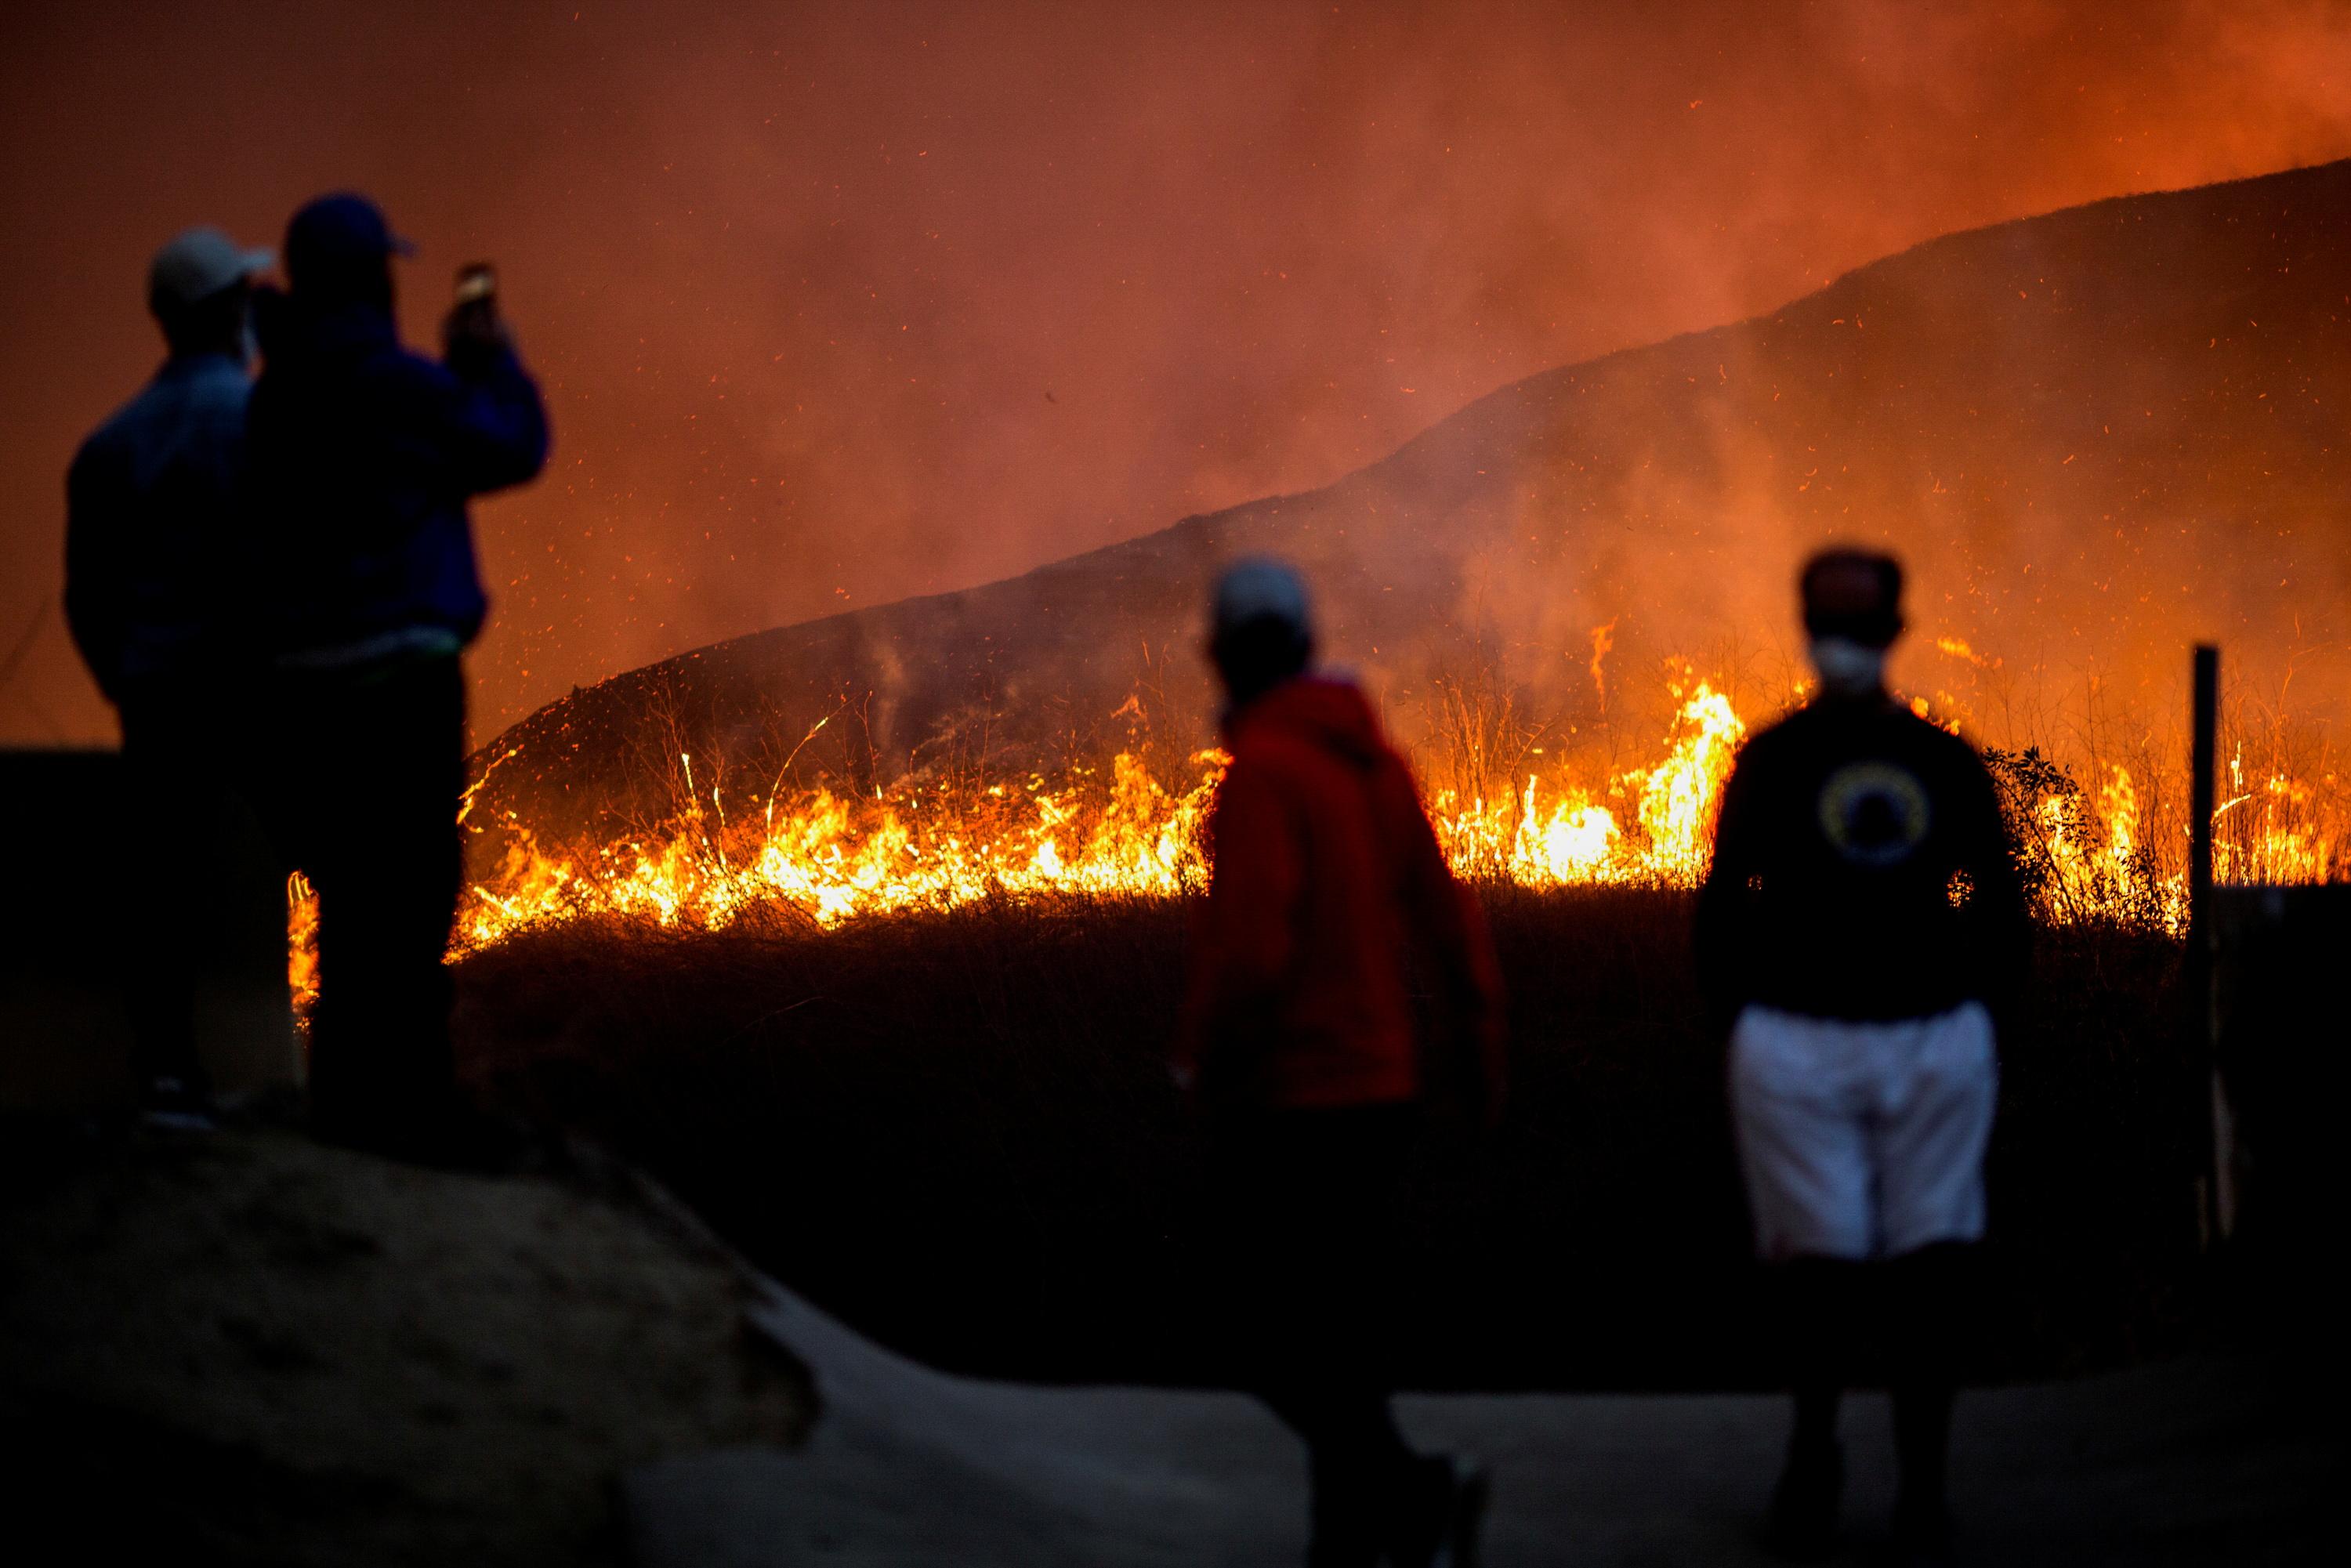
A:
x,y
476,281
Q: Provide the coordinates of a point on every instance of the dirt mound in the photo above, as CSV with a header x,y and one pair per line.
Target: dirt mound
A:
x,y
245,1347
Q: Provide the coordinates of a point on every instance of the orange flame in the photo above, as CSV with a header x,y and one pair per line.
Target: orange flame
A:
x,y
827,858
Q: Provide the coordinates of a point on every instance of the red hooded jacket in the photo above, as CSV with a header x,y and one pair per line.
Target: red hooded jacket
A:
x,y
1327,891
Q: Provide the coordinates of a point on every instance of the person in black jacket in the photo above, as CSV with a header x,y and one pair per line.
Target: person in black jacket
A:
x,y
363,457
1861,927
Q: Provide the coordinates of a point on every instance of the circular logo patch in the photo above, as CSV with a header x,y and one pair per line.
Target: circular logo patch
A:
x,y
1874,813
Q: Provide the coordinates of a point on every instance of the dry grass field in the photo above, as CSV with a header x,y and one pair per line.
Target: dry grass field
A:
x,y
955,1131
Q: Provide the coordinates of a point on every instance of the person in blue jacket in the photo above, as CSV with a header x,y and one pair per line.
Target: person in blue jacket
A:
x,y
156,514
363,457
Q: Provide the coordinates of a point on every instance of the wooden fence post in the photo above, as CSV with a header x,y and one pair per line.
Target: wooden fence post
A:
x,y
2217,1208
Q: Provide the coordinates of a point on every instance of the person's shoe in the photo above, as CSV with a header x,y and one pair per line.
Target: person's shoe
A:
x,y
175,1106
1922,1535
1342,1537
1448,1525
1322,1552
477,1142
1803,1525
1464,1545
445,1134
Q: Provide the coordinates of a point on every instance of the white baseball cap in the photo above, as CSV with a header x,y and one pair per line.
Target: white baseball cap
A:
x,y
198,264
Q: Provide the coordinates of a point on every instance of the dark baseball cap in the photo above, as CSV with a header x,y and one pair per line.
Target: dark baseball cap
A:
x,y
339,233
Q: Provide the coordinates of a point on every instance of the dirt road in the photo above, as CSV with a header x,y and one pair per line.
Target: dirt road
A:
x,y
2202,1461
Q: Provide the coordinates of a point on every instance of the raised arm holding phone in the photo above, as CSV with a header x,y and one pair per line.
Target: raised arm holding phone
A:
x,y
365,456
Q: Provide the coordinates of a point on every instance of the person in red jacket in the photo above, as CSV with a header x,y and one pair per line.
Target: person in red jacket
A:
x,y
1329,899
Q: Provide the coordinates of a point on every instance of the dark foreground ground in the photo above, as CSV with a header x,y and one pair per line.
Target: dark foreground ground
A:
x,y
243,1348
955,1134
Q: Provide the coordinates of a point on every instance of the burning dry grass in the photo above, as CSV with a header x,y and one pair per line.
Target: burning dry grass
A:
x,y
2102,838
955,1129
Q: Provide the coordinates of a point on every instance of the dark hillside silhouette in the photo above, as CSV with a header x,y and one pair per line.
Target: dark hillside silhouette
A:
x,y
2094,435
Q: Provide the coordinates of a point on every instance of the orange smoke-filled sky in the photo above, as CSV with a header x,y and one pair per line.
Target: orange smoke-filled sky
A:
x,y
836,304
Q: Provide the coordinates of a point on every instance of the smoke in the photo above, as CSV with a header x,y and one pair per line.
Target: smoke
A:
x,y
836,307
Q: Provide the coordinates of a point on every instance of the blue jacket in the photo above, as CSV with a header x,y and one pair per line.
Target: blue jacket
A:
x,y
156,522
363,456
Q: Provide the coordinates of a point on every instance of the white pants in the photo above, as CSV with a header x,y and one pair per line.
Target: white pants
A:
x,y
1862,1140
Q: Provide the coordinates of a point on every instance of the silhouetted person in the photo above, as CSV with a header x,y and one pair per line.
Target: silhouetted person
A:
x,y
1298,1044
363,456
156,507
1860,928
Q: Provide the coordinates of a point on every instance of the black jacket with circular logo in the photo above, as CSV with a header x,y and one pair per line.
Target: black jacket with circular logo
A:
x,y
1862,869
